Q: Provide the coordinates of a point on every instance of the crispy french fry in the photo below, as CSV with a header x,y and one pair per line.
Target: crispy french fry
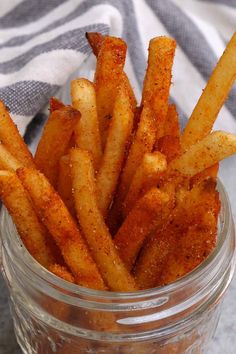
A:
x,y
146,177
212,99
55,216
11,138
62,272
55,104
152,259
95,40
208,151
110,61
54,141
143,219
7,160
169,146
172,122
119,133
87,134
143,142
158,78
31,231
64,184
196,223
93,225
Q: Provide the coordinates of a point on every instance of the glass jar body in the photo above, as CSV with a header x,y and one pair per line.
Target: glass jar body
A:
x,y
53,316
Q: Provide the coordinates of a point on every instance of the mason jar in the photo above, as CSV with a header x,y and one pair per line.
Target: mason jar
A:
x,y
53,316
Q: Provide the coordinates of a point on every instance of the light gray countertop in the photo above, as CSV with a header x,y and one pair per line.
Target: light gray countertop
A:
x,y
224,341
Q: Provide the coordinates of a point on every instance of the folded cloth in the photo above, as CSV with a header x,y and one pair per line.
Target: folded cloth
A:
x,y
42,45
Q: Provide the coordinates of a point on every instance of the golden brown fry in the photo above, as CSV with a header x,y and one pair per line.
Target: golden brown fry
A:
x,y
196,223
144,218
10,137
95,40
7,161
55,216
158,79
169,146
87,134
119,133
146,177
210,150
211,171
143,143
64,184
31,231
110,63
212,99
55,104
172,122
62,272
93,225
54,141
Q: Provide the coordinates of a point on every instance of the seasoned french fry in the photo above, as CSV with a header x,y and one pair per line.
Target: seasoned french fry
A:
x,y
31,231
212,99
7,160
146,177
169,146
55,216
158,78
55,104
64,184
54,141
87,134
211,171
119,133
10,137
196,221
210,150
144,218
95,40
172,122
143,142
110,62
62,272
93,225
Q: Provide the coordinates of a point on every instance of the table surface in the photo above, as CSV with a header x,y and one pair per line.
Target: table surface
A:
x,y
224,341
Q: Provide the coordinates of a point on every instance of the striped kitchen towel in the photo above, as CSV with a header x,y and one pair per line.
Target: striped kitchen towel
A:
x,y
42,45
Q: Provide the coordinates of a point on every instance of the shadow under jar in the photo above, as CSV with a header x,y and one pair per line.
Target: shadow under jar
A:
x,y
53,316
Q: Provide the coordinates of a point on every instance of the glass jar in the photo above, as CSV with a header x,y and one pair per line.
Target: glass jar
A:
x,y
53,316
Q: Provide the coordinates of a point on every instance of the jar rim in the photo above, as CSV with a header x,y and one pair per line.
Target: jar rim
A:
x,y
69,288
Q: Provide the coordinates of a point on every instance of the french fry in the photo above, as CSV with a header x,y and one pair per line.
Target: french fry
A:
x,y
208,151
212,99
87,134
95,40
144,218
30,229
143,142
55,216
196,221
119,133
64,184
110,62
54,141
158,78
146,177
171,126
55,104
10,137
169,146
211,171
93,225
62,272
7,160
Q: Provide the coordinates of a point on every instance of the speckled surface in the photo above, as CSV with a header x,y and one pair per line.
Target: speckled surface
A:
x,y
224,341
